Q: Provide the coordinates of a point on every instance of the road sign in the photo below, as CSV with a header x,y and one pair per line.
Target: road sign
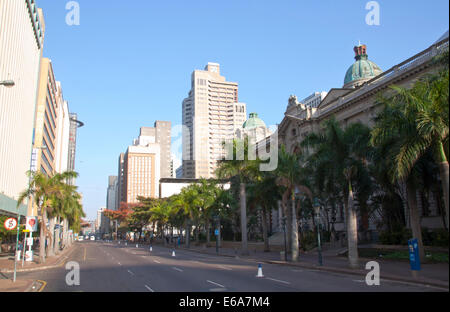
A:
x,y
216,232
414,257
10,224
31,224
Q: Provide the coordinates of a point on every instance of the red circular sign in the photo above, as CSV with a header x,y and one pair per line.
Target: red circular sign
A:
x,y
31,222
10,224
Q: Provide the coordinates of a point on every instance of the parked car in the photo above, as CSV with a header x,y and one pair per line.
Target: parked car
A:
x,y
92,238
80,238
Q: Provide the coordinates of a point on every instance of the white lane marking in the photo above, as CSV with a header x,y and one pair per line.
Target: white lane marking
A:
x,y
149,288
359,281
275,280
156,261
214,283
225,268
177,269
130,272
119,263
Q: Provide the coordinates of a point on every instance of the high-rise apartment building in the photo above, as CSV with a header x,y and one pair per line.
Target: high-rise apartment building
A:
x,y
21,42
314,99
211,114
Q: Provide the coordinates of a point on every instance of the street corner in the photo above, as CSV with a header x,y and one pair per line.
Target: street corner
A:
x,y
37,286
8,285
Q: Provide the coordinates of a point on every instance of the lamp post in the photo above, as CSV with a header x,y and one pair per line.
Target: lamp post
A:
x,y
317,213
283,220
217,232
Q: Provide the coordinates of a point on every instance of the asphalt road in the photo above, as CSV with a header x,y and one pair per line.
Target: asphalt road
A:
x,y
110,267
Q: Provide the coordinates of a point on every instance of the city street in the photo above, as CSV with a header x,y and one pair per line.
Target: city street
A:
x,y
110,267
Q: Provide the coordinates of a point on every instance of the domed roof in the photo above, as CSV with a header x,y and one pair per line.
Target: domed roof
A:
x,y
253,122
362,70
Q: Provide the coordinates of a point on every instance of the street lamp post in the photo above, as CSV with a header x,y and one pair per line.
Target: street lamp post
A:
x,y
283,219
317,212
217,232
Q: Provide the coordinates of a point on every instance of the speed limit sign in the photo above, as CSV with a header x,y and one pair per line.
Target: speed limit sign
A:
x,y
10,224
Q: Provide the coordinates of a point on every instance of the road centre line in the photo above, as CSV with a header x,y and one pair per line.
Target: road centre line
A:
x,y
149,288
177,269
214,283
275,280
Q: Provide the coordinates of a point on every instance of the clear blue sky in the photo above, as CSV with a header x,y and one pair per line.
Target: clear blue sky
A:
x,y
129,63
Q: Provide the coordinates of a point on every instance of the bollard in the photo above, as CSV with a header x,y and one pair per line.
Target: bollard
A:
x,y
260,273
173,253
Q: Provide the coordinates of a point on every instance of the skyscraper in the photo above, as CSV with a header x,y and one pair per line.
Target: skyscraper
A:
x,y
21,42
211,114
111,193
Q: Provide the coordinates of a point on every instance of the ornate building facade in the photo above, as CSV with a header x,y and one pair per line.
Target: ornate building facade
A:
x,y
356,102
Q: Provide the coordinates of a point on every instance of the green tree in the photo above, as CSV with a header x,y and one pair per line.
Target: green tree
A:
x,y
345,153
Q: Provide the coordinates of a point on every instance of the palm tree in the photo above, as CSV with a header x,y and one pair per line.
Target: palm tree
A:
x,y
264,193
345,153
426,107
243,170
414,122
45,191
290,176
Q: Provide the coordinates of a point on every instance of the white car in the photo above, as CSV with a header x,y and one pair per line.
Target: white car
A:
x,y
93,238
80,238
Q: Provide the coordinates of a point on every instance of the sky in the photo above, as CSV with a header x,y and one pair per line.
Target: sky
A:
x,y
129,63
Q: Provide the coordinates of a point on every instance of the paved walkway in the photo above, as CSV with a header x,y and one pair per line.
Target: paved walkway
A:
x,y
431,274
25,285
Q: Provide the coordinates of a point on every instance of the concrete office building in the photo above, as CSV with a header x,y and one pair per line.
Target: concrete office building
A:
x,y
142,166
163,130
46,130
21,42
111,193
211,114
62,136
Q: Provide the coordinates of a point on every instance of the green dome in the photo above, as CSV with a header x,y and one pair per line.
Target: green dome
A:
x,y
362,68
253,122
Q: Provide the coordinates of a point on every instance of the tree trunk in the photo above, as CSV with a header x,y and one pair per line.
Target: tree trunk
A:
x,y
208,235
294,240
265,230
414,215
443,170
42,235
197,233
51,240
188,234
352,231
288,213
58,230
242,196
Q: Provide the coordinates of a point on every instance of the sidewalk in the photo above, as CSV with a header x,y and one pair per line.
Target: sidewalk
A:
x,y
431,274
7,264
7,285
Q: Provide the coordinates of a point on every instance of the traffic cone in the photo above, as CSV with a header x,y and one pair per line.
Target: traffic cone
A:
x,y
151,248
260,273
137,246
173,253
126,243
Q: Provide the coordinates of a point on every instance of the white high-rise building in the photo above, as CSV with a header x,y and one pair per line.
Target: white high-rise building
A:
x,y
21,42
314,99
211,114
